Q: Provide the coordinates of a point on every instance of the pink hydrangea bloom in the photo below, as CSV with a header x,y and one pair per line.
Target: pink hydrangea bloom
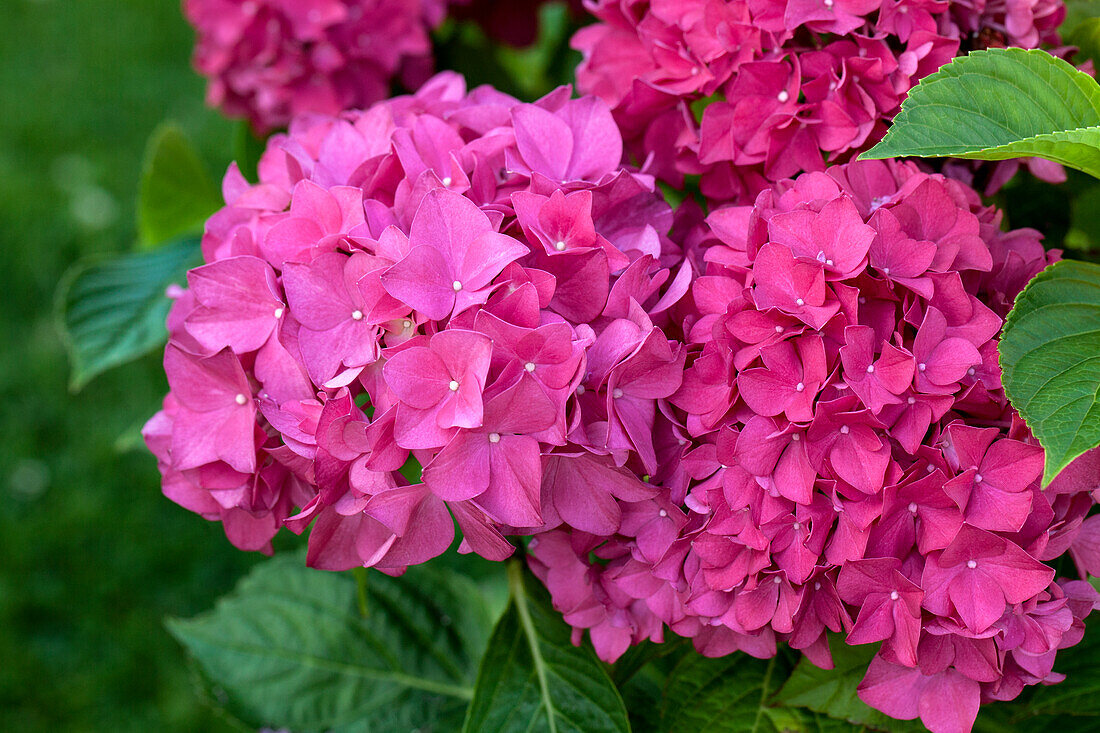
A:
x,y
841,456
745,93
269,60
452,278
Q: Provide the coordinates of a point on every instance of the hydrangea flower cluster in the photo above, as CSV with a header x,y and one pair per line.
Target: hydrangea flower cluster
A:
x,y
843,458
745,93
759,426
460,279
269,60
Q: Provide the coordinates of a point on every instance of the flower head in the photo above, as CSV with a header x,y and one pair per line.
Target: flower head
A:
x,y
392,290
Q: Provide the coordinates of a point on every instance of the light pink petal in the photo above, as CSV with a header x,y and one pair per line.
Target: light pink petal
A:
x,y
423,280
461,470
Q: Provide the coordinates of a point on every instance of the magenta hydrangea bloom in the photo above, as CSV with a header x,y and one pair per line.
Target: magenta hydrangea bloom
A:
x,y
269,60
745,93
840,456
453,279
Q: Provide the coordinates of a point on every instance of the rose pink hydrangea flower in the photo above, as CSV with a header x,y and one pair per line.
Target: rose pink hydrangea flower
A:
x,y
269,60
841,457
453,279
745,93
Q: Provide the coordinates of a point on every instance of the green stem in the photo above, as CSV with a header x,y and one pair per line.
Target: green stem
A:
x,y
361,590
519,597
764,688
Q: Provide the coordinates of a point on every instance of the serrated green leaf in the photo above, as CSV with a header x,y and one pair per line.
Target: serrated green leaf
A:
x,y
833,691
733,694
177,193
533,679
290,648
997,104
112,310
1050,360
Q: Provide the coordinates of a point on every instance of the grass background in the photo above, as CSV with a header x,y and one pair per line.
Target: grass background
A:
x,y
92,557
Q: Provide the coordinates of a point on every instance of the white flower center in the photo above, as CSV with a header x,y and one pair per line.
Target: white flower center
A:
x,y
241,399
912,507
886,271
922,367
357,315
617,393
406,323
796,437
446,181
971,564
783,96
456,285
453,386
893,595
559,245
799,302
494,437
911,400
662,513
779,329
799,387
870,368
777,580
529,366
978,478
796,526
580,389
278,312
970,371
844,430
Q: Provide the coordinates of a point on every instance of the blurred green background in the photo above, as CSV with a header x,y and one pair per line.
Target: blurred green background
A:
x,y
92,557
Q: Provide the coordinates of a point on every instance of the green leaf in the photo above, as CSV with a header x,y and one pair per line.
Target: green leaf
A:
x,y
290,648
526,73
998,104
1084,224
733,694
177,193
248,149
833,691
110,311
533,679
1050,360
1081,28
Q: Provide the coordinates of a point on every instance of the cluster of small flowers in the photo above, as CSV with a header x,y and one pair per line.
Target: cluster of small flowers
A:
x,y
457,278
269,60
745,93
848,461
